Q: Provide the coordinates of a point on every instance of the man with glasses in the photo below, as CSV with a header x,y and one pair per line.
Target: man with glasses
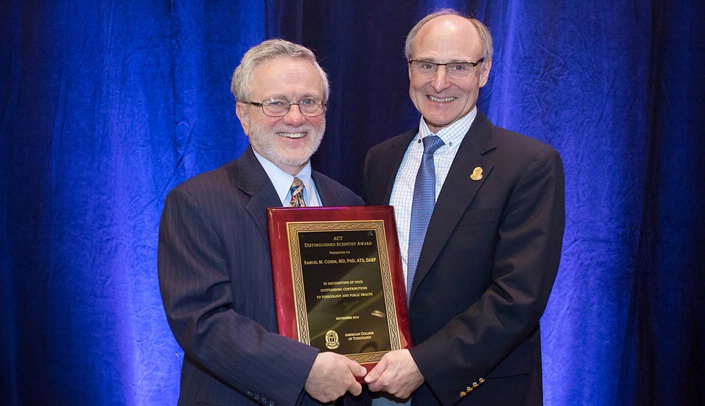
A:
x,y
214,262
480,217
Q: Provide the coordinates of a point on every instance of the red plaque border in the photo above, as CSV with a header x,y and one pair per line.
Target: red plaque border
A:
x,y
286,266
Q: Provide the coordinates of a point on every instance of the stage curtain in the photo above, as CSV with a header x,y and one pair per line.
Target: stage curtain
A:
x,y
107,105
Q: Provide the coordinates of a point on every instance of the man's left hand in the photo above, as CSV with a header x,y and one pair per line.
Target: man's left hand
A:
x,y
396,373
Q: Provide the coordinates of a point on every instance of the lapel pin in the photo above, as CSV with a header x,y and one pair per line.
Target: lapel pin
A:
x,y
476,173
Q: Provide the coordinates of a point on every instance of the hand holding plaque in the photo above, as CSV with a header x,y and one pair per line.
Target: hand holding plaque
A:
x,y
338,281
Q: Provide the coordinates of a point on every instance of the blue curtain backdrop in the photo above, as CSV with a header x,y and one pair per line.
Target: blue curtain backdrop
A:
x,y
107,105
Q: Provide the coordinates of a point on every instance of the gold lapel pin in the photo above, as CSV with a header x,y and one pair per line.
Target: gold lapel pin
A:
x,y
476,173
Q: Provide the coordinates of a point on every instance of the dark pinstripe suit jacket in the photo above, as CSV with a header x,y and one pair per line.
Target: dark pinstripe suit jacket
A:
x,y
486,268
215,278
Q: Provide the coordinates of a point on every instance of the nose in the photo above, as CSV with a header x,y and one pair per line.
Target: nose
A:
x,y
440,80
294,117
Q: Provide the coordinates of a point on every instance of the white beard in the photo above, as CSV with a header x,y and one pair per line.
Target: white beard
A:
x,y
264,141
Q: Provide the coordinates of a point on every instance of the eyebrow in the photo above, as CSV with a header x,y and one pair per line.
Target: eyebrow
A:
x,y
436,61
305,96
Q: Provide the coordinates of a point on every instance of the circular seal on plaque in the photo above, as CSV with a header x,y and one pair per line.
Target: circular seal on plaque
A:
x,y
332,341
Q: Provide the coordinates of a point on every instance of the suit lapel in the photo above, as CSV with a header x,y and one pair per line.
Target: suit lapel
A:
x,y
459,190
390,166
328,198
253,180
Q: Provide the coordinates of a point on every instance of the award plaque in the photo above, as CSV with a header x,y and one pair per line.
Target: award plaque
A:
x,y
338,280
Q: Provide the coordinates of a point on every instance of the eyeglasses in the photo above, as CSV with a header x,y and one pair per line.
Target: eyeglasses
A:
x,y
454,69
280,107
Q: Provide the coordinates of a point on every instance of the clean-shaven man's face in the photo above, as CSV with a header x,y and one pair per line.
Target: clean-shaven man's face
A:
x,y
442,99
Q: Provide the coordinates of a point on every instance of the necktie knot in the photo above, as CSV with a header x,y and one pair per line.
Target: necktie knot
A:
x,y
297,193
431,143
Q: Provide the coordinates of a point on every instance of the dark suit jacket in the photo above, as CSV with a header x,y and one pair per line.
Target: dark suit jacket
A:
x,y
215,277
486,268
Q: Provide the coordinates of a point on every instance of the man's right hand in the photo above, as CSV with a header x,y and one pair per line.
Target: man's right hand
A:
x,y
332,375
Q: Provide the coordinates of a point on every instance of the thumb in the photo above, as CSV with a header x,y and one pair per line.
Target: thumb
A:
x,y
356,369
377,371
359,371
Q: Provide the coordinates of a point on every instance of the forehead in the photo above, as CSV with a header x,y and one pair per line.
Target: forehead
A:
x,y
288,77
447,38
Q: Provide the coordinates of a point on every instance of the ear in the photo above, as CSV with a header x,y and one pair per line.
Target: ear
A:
x,y
241,112
485,74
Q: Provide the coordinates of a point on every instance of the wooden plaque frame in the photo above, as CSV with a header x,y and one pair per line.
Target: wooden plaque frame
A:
x,y
335,258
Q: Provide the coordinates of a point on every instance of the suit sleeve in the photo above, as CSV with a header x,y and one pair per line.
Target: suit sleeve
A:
x,y
526,258
195,281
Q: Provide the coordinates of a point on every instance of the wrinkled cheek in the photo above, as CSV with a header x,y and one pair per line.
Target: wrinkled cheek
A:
x,y
417,100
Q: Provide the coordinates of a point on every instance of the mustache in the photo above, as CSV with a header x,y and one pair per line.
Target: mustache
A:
x,y
300,129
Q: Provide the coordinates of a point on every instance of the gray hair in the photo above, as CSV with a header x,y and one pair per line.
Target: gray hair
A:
x,y
266,51
482,30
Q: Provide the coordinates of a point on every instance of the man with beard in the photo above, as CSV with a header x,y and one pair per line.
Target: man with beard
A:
x,y
214,262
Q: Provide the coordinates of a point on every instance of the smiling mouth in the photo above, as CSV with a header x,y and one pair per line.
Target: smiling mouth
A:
x,y
292,135
441,100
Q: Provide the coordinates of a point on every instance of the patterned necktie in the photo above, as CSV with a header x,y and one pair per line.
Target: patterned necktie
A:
x,y
422,206
297,194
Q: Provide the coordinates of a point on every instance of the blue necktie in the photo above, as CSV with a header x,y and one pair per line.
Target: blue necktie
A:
x,y
422,206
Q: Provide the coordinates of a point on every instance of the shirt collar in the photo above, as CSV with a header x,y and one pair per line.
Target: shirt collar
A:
x,y
454,133
282,180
